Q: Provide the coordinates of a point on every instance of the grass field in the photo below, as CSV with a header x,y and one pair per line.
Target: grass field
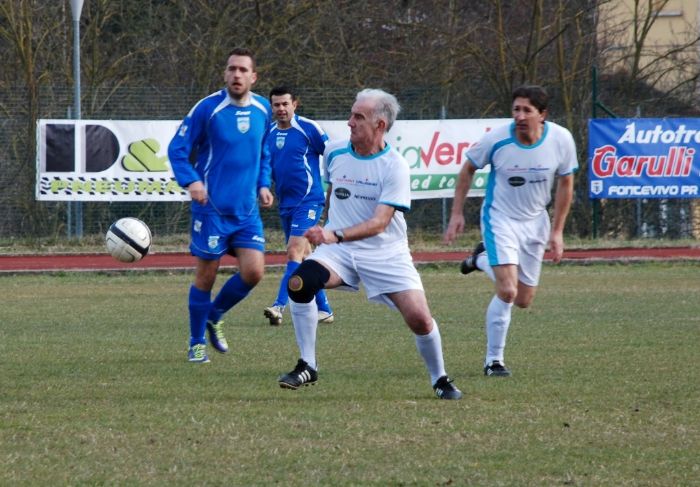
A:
x,y
95,387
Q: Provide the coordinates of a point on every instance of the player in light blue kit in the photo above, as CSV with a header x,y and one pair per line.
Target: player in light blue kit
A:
x,y
526,158
295,144
225,134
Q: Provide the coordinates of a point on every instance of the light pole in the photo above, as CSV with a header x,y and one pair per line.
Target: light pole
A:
x,y
76,9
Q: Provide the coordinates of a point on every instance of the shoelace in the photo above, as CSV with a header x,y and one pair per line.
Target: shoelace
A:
x,y
217,330
198,351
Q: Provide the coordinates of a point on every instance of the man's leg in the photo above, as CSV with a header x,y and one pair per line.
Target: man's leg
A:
x,y
251,263
413,306
304,218
303,286
498,316
324,307
282,294
481,262
297,248
199,307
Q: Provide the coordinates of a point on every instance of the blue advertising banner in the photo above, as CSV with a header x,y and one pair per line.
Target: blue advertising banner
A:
x,y
644,158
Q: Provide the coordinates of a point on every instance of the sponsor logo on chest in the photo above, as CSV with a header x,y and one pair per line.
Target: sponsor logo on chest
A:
x,y
342,193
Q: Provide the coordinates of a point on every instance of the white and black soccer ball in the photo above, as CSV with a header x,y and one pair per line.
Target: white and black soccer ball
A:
x,y
128,239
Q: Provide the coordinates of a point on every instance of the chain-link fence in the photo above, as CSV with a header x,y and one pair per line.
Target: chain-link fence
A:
x,y
26,219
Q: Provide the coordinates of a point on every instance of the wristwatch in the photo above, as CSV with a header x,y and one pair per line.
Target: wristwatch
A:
x,y
339,235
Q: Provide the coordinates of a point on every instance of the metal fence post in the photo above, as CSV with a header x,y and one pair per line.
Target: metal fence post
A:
x,y
76,8
443,116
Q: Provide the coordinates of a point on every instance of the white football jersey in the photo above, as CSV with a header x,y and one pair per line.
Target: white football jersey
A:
x,y
521,179
359,184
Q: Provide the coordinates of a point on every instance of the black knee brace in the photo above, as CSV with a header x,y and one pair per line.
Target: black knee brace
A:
x,y
306,281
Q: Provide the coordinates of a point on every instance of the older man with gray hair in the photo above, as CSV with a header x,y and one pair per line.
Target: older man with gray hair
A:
x,y
365,241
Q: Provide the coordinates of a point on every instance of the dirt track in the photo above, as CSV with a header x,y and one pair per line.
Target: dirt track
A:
x,y
102,262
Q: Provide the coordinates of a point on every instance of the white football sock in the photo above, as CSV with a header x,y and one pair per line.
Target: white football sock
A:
x,y
497,323
482,262
430,348
305,319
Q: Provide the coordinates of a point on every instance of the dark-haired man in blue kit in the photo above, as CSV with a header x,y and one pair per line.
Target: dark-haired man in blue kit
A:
x,y
295,144
227,132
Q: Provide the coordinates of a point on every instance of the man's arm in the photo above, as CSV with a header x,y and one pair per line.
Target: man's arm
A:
x,y
464,182
324,215
188,136
265,196
368,228
562,202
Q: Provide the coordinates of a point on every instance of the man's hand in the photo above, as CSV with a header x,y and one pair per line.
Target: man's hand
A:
x,y
266,197
318,235
198,192
556,246
454,228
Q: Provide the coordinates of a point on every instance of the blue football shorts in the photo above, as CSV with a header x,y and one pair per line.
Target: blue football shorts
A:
x,y
297,220
213,235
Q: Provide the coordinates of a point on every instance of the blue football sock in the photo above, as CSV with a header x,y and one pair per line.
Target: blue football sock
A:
x,y
199,304
233,291
322,302
283,294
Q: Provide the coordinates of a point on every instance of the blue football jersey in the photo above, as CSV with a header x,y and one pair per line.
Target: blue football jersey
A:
x,y
228,142
294,154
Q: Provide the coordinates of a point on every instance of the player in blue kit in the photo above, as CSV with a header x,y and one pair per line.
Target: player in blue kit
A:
x,y
224,134
295,144
526,158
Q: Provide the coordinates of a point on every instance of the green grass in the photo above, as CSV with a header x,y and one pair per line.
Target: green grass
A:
x,y
95,388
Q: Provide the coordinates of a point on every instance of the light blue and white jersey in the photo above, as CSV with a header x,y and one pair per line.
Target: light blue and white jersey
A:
x,y
228,142
521,179
360,183
295,158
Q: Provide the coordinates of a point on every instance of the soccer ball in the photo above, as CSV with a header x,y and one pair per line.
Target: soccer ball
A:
x,y
128,239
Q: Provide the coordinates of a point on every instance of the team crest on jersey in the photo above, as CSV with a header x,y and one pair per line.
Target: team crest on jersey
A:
x,y
243,124
312,214
279,142
213,241
197,227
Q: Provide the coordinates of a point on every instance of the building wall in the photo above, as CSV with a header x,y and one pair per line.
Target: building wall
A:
x,y
677,24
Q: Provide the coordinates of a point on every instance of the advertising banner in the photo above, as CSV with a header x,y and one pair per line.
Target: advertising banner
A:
x,y
644,158
111,160
104,160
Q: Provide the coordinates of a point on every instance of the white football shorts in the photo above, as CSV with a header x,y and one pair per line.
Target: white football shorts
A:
x,y
519,242
381,271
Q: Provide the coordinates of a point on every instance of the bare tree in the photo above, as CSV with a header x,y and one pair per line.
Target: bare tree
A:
x,y
25,28
667,70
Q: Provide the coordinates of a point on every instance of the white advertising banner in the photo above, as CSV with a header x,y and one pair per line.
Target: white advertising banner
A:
x,y
112,160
